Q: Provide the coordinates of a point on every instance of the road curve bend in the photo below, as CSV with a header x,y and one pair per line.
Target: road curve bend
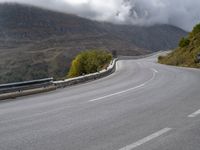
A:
x,y
142,106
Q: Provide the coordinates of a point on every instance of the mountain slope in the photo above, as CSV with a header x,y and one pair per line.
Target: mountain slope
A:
x,y
187,53
37,43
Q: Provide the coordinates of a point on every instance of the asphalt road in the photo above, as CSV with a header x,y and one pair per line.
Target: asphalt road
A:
x,y
142,106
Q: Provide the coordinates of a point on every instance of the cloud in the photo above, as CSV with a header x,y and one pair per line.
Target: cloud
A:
x,y
181,13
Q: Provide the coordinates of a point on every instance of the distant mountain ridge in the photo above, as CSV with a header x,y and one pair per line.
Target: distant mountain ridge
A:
x,y
36,39
26,22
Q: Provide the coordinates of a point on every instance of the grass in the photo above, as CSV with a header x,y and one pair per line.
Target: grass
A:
x,y
186,54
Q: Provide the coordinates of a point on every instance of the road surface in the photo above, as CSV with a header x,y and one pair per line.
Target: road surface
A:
x,y
142,106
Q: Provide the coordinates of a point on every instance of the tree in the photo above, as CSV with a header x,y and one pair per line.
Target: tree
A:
x,y
196,29
184,42
89,62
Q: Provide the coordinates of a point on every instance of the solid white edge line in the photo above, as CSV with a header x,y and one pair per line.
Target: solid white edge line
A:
x,y
146,139
127,90
194,114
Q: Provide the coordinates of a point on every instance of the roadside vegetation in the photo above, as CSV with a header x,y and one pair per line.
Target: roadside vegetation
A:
x,y
90,61
186,54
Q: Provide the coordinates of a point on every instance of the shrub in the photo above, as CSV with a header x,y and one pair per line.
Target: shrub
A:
x,y
89,62
187,53
184,42
196,29
160,58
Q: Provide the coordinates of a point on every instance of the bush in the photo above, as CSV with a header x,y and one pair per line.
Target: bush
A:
x,y
89,62
187,53
184,42
196,29
160,58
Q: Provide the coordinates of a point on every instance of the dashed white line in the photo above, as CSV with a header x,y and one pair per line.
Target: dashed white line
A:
x,y
156,71
96,99
194,114
127,90
146,139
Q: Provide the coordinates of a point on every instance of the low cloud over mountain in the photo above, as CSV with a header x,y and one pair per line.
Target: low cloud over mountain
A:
x,y
179,13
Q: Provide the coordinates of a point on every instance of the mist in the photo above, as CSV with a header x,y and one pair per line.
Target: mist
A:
x,y
181,13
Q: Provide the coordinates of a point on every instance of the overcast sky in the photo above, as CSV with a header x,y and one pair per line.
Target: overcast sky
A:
x,y
181,13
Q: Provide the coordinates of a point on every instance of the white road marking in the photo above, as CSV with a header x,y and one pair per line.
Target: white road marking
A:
x,y
146,139
194,114
156,71
96,99
127,90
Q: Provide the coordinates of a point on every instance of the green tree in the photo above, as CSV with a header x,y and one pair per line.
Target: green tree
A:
x,y
89,62
196,30
184,42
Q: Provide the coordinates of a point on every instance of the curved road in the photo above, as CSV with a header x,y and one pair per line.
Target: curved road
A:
x,y
142,106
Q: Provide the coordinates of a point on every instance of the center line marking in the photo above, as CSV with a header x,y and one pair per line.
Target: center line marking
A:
x,y
146,139
121,92
194,114
156,71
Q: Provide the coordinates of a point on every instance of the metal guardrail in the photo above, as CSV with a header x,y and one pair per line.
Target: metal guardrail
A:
x,y
26,85
13,90
88,77
18,89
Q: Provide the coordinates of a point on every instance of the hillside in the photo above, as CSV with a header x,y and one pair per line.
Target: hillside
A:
x,y
37,43
186,54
